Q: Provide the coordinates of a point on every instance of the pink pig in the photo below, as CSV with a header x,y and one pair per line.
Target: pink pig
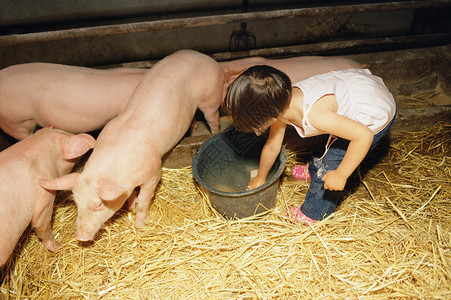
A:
x,y
297,68
74,99
128,151
47,154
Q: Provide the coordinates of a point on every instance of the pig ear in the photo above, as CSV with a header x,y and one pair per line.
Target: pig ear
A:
x,y
65,182
76,145
229,77
108,190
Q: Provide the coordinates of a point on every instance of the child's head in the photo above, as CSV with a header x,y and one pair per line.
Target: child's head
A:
x,y
258,95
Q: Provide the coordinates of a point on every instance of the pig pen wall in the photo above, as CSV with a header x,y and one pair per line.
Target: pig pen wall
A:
x,y
93,33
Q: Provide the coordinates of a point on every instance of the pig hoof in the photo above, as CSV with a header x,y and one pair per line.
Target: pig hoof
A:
x,y
140,223
53,246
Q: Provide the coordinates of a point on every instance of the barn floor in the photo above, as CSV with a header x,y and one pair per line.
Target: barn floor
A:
x,y
389,239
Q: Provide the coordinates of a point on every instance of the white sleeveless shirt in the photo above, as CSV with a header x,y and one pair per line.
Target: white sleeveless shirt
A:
x,y
361,96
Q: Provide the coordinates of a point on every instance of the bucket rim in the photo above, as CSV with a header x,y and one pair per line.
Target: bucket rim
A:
x,y
282,157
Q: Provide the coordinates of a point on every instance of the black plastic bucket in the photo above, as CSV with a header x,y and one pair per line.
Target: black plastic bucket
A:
x,y
223,164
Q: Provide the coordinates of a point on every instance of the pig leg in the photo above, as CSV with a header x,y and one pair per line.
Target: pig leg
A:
x,y
131,201
41,225
212,117
144,199
193,126
19,131
10,234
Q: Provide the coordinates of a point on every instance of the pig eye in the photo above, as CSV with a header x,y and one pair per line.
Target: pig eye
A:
x,y
99,206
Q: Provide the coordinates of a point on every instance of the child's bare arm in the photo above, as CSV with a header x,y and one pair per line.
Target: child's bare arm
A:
x,y
270,151
360,138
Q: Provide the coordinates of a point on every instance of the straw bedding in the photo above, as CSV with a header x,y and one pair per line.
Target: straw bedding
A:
x,y
390,239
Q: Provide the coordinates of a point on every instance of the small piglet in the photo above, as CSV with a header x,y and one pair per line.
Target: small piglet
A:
x,y
128,150
47,154
70,98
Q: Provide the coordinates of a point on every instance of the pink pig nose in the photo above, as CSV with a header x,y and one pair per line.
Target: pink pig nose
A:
x,y
84,236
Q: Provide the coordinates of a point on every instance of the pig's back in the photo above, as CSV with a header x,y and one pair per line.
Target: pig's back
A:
x,y
75,99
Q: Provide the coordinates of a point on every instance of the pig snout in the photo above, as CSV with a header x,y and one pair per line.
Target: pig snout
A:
x,y
91,218
87,229
84,236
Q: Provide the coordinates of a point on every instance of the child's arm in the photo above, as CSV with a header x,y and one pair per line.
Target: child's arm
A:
x,y
360,138
270,151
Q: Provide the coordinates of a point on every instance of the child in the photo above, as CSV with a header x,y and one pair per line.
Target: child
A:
x,y
352,108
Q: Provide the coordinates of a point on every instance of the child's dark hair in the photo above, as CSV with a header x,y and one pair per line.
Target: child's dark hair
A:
x,y
256,96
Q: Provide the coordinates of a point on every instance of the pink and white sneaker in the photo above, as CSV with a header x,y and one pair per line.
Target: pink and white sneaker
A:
x,y
297,216
300,172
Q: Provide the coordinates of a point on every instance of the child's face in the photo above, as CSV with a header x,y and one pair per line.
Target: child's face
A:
x,y
263,128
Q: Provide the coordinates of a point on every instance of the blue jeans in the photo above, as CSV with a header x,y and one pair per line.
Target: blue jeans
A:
x,y
319,202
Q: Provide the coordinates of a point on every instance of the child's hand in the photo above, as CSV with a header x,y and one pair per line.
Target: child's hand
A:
x,y
255,183
334,181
